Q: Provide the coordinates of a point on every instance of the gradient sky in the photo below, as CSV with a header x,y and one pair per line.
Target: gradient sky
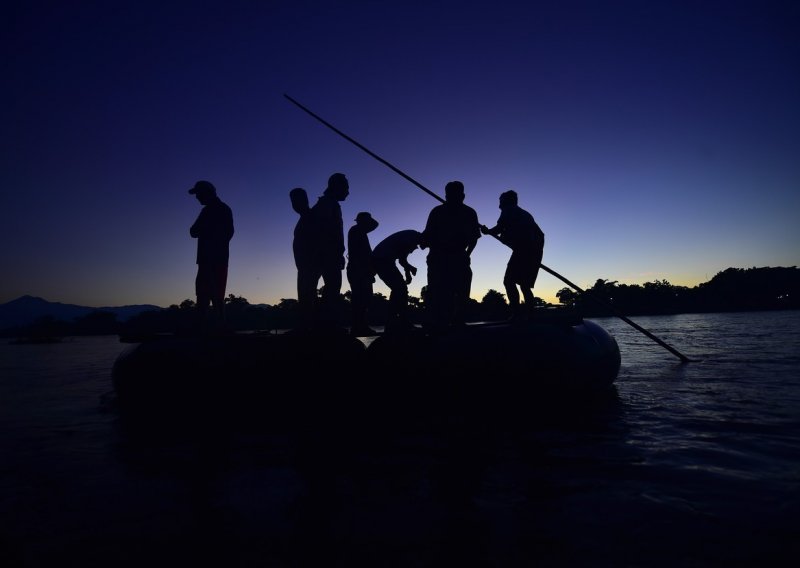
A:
x,y
650,139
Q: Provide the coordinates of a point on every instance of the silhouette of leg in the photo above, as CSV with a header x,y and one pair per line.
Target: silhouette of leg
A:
x,y
307,278
204,288
513,296
331,297
436,298
527,293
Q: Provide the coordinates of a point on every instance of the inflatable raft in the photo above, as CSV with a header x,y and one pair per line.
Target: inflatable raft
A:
x,y
294,377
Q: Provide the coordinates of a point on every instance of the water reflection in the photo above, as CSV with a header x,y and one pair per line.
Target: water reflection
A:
x,y
679,465
364,496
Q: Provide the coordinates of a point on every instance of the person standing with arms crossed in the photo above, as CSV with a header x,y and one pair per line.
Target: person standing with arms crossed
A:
x,y
213,230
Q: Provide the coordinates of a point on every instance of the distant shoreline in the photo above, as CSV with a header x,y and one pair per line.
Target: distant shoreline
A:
x,y
732,290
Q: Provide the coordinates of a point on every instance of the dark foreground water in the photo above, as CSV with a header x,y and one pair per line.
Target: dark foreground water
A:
x,y
681,465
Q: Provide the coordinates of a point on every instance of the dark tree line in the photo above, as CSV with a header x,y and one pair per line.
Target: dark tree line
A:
x,y
734,289
241,315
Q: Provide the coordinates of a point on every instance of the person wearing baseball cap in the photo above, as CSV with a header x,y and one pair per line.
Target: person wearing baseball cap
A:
x,y
213,230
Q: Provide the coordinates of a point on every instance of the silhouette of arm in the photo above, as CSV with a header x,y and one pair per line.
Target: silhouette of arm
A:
x,y
403,260
229,225
409,269
429,230
328,220
494,231
497,232
199,227
476,233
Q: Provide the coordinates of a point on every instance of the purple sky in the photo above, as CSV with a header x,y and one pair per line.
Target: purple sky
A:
x,y
650,140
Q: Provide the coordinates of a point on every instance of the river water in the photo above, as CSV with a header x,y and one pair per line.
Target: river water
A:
x,y
692,464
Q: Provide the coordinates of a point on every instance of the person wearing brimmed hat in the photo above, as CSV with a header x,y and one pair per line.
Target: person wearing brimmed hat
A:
x,y
360,273
213,230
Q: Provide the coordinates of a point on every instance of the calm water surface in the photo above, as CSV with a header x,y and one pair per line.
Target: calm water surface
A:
x,y
680,465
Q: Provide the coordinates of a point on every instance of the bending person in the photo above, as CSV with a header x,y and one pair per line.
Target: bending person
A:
x,y
391,251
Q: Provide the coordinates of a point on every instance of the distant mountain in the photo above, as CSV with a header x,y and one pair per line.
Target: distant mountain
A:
x,y
27,309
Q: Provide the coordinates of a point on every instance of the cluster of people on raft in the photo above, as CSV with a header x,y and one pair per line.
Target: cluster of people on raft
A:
x,y
450,234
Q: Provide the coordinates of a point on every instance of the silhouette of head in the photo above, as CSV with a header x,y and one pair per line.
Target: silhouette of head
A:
x,y
421,243
299,200
454,192
338,188
508,198
366,221
203,190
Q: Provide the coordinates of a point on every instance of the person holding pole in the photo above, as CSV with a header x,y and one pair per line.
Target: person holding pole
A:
x,y
517,229
451,233
566,281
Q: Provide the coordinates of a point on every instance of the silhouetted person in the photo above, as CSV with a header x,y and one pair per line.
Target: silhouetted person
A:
x,y
451,233
213,230
388,253
319,252
517,229
360,272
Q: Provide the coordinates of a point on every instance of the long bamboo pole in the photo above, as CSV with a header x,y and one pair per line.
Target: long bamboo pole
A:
x,y
669,348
